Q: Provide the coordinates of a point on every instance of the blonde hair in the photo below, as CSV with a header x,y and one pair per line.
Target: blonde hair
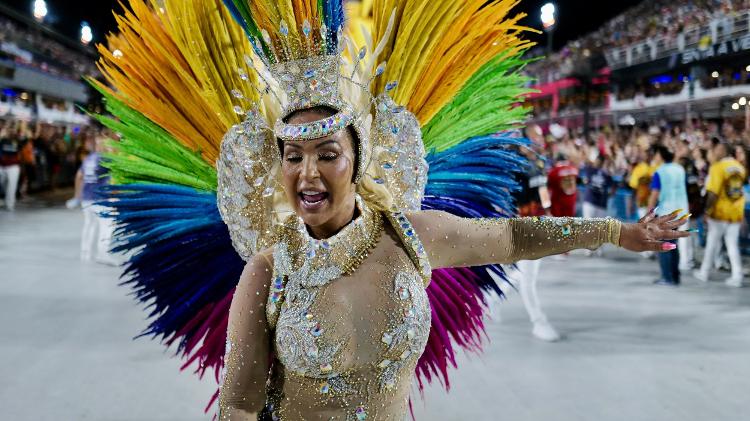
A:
x,y
376,195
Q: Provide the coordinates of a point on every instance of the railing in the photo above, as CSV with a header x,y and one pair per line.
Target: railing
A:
x,y
699,93
719,30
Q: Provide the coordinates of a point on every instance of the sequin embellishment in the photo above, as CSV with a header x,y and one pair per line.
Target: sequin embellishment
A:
x,y
412,330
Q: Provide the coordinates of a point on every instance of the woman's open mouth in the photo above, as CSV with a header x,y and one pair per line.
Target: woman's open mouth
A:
x,y
312,200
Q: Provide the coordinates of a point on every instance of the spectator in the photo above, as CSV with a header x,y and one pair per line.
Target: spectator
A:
x,y
695,208
563,192
640,182
97,230
599,185
533,200
669,194
10,165
725,206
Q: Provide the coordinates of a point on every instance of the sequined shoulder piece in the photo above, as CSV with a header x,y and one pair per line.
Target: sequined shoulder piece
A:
x,y
281,268
413,245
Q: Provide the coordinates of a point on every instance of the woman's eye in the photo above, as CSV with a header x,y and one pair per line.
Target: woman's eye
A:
x,y
329,156
294,158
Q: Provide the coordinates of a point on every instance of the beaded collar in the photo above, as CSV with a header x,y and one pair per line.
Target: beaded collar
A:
x,y
344,251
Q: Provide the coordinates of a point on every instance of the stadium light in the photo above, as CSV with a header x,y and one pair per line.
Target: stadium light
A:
x,y
715,74
548,15
117,53
86,34
742,101
39,10
548,22
735,106
747,69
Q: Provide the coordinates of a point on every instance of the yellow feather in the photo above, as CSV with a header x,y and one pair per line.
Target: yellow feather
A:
x,y
357,18
381,11
459,57
178,68
269,14
427,29
438,45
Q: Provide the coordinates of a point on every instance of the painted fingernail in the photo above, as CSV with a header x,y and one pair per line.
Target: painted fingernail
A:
x,y
678,211
687,216
668,246
693,230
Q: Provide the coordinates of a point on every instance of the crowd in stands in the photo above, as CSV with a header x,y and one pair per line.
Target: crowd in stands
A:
x,y
572,100
31,48
647,20
696,170
626,158
571,103
624,147
41,157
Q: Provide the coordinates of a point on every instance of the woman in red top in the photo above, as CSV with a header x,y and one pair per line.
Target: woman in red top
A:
x,y
562,186
10,168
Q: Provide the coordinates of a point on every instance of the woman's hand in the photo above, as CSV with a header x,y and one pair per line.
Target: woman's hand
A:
x,y
651,231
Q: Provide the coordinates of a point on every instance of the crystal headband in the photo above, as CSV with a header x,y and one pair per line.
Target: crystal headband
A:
x,y
314,129
328,126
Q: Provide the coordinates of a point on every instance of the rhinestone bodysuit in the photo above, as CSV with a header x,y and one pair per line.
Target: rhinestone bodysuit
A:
x,y
344,343
325,339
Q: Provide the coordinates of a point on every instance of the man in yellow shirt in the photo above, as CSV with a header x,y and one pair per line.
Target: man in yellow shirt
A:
x,y
640,182
725,207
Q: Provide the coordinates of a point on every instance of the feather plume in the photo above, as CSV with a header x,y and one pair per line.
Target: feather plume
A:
x,y
171,102
437,47
175,69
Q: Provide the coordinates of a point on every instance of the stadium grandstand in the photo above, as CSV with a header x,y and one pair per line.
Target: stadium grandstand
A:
x,y
41,72
660,60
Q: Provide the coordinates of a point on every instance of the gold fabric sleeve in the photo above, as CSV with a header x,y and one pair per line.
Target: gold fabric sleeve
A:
x,y
246,361
452,241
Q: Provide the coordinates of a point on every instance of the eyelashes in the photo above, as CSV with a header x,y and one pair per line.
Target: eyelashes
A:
x,y
328,157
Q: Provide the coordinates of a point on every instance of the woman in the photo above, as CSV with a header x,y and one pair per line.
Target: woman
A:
x,y
319,184
343,344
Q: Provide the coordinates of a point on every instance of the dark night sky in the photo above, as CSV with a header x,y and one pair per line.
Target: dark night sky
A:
x,y
575,17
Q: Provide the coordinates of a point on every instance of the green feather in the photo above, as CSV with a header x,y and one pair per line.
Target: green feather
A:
x,y
146,153
249,25
486,104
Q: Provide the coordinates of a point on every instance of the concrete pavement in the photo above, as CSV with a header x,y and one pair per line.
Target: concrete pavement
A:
x,y
632,351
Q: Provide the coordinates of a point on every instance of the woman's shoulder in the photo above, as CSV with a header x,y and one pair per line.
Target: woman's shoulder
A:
x,y
260,266
413,228
265,257
426,220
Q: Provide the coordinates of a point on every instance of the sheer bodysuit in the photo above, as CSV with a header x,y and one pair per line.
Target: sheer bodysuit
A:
x,y
311,338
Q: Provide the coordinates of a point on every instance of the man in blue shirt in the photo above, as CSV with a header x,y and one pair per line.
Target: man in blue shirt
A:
x,y
599,186
668,194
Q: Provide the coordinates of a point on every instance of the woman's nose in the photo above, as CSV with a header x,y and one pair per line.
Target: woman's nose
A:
x,y
310,168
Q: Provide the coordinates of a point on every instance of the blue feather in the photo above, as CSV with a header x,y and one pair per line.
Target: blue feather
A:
x,y
183,257
333,17
475,179
229,4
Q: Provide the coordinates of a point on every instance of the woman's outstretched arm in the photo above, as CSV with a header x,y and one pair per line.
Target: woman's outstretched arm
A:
x,y
452,241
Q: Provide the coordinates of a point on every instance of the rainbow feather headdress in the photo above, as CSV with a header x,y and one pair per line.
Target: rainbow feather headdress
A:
x,y
198,140
301,65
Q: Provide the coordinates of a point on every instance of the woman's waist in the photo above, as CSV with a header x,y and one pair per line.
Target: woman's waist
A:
x,y
343,397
